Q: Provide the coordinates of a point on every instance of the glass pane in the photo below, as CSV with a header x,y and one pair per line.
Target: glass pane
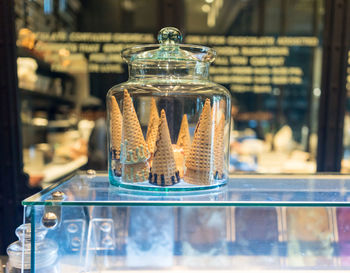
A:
x,y
313,190
104,238
343,228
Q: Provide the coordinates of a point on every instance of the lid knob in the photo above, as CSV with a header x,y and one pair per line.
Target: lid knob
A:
x,y
169,36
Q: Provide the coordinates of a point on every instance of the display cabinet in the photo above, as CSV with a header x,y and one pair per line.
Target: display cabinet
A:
x,y
260,223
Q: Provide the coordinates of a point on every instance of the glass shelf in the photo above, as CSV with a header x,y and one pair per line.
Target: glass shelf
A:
x,y
254,223
241,190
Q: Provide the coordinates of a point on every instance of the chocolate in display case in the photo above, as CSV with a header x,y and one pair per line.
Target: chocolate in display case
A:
x,y
255,222
168,124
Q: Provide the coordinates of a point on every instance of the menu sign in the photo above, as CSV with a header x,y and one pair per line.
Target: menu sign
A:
x,y
245,63
87,51
256,64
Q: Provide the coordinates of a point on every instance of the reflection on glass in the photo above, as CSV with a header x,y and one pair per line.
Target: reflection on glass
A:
x,y
310,237
343,226
150,241
256,238
260,238
203,234
345,164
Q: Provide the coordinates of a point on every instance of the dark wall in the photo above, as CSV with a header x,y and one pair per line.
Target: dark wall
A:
x,y
12,180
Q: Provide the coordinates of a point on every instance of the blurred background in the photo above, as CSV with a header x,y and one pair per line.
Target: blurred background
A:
x,y
269,57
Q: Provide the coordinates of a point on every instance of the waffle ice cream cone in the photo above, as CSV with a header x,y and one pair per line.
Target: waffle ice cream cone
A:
x,y
184,139
116,124
219,148
201,152
133,148
163,171
199,163
152,129
135,172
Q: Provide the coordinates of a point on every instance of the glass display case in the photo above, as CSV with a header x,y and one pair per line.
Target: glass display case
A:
x,y
252,223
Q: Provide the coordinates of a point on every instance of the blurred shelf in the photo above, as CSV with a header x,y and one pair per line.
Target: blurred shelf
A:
x,y
29,124
60,124
53,172
43,96
44,68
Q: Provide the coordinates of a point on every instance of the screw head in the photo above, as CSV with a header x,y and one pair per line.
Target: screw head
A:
x,y
57,195
91,173
50,220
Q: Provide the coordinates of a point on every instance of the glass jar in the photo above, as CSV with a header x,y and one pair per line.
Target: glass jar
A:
x,y
168,124
45,251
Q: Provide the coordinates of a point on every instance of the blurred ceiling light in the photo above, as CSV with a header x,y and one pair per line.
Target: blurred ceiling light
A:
x,y
206,8
209,1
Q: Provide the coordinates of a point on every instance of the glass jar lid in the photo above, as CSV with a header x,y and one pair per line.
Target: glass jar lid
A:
x,y
169,49
19,252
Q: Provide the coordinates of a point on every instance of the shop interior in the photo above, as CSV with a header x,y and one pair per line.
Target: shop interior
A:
x,y
290,113
275,105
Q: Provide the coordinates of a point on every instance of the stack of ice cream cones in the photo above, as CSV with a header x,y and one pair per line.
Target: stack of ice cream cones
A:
x,y
219,148
152,129
199,162
134,151
116,124
163,171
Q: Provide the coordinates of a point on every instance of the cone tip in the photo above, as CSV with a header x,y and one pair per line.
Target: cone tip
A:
x,y
115,105
126,93
154,110
162,114
206,106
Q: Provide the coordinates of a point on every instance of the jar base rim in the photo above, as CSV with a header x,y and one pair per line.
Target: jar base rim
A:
x,y
182,186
